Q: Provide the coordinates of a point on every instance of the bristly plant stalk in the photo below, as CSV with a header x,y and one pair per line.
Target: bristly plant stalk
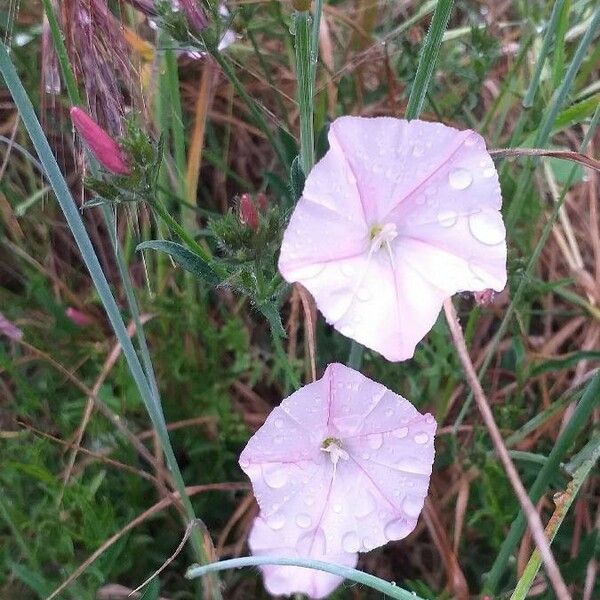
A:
x,y
304,76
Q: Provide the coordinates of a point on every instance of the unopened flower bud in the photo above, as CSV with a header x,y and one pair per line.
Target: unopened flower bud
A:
x,y
77,317
194,13
484,297
248,212
103,147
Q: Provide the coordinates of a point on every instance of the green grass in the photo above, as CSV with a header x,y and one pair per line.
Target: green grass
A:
x,y
526,78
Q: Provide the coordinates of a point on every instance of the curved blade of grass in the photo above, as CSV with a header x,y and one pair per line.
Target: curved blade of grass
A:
x,y
563,503
73,218
589,401
428,58
375,583
541,59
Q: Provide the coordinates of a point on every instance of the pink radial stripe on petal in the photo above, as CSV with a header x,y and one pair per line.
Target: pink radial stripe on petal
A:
x,y
281,580
353,465
397,217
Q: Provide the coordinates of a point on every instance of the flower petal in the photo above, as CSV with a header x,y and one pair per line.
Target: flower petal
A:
x,y
374,489
434,191
288,580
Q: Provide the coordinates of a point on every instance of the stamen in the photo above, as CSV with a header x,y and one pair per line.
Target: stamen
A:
x,y
334,447
382,235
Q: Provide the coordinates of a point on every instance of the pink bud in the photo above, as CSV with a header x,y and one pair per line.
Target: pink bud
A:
x,y
194,14
8,329
78,317
484,297
103,147
248,212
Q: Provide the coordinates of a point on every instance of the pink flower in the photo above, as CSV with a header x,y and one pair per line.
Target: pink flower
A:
x,y
103,147
264,539
9,329
341,466
397,217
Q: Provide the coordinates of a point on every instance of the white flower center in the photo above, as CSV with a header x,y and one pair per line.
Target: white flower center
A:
x,y
333,447
382,235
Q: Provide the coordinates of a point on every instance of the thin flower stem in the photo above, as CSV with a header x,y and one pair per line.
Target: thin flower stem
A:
x,y
375,583
533,519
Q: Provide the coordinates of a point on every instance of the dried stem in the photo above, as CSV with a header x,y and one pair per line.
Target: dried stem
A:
x,y
533,519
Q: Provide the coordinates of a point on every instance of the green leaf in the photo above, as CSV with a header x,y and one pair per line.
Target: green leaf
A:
x,y
186,259
270,312
151,590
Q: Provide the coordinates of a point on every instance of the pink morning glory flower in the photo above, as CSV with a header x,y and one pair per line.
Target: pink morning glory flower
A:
x,y
341,466
282,580
398,216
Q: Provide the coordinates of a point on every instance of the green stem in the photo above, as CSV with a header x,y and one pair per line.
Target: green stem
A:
x,y
428,58
563,503
588,402
73,218
375,583
304,77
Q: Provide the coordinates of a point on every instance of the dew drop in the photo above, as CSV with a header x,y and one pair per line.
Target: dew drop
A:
x,y
276,521
486,227
304,521
489,172
375,440
418,150
368,544
447,218
401,432
409,464
308,271
337,508
389,413
397,529
412,505
278,423
309,500
363,505
460,179
364,294
421,438
350,542
347,269
275,477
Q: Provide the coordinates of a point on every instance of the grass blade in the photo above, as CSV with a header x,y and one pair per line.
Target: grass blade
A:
x,y
427,60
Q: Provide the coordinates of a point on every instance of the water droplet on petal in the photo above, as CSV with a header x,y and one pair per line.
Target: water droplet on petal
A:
x,y
363,505
276,521
412,505
308,271
489,172
375,440
303,521
421,438
364,294
447,218
398,529
309,500
401,432
409,464
347,269
460,179
274,475
418,151
337,508
486,227
350,542
368,544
